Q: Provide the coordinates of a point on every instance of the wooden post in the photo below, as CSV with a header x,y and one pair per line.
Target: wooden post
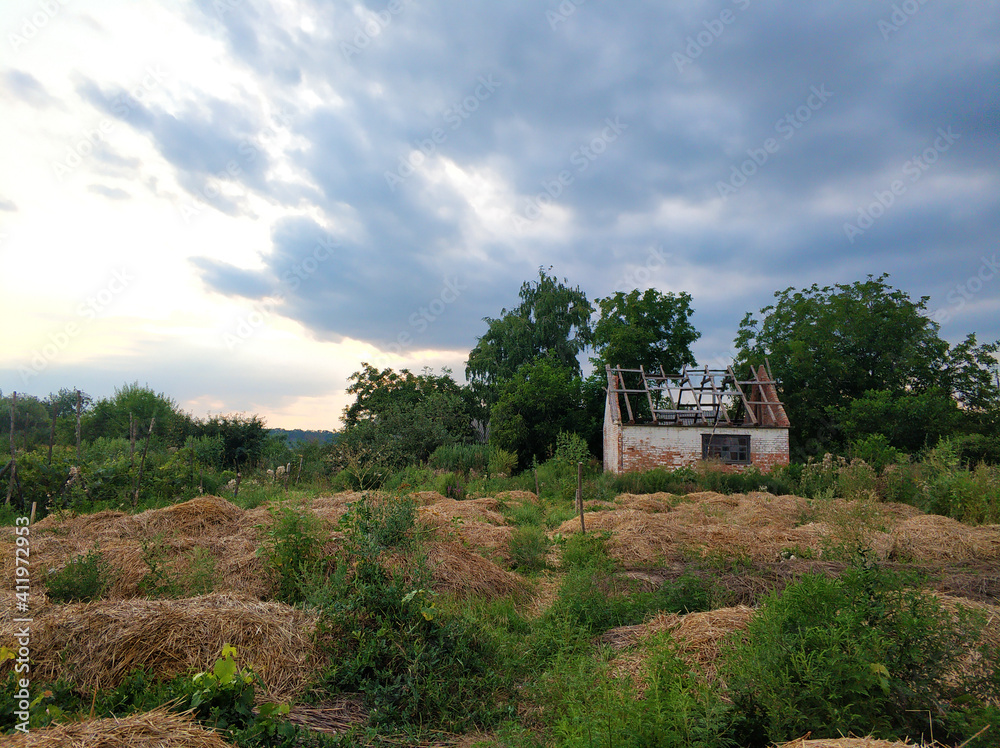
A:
x,y
79,410
13,448
142,462
131,441
52,428
579,494
31,519
299,473
236,490
536,482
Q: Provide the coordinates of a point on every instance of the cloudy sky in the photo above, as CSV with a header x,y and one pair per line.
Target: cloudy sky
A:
x,y
238,201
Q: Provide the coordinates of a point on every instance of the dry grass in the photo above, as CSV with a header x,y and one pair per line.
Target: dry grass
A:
x,y
698,636
929,537
156,729
458,570
847,743
95,645
760,527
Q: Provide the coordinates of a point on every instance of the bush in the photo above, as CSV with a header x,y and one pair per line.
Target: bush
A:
x,y
862,654
528,548
292,550
460,458
415,663
85,578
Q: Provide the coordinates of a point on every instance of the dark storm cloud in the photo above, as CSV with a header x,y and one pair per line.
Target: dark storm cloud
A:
x,y
774,125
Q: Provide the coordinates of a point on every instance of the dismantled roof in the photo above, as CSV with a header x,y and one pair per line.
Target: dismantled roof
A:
x,y
695,397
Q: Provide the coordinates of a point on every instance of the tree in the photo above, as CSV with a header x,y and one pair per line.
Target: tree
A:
x,y
243,438
400,418
542,399
552,320
830,346
651,329
109,417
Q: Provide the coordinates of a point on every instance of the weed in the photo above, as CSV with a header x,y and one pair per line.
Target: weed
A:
x,y
528,548
86,577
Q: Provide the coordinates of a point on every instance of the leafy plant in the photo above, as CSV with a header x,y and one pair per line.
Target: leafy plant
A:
x,y
863,654
86,577
528,547
292,550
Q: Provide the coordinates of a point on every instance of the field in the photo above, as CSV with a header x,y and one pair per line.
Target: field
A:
x,y
405,617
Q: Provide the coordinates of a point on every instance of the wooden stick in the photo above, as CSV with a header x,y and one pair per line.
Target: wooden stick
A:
x,y
52,429
142,462
79,410
579,494
131,441
299,473
13,448
31,520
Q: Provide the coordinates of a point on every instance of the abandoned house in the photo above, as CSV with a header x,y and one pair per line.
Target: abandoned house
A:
x,y
672,420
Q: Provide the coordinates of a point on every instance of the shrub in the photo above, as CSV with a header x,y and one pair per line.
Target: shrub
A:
x,y
502,462
862,654
292,551
528,547
85,578
460,458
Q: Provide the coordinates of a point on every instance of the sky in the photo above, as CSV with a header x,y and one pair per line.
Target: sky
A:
x,y
236,202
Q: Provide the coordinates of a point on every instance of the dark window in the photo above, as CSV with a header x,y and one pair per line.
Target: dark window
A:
x,y
732,449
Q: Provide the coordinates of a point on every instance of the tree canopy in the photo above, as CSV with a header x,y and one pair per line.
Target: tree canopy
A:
x,y
830,346
651,329
552,320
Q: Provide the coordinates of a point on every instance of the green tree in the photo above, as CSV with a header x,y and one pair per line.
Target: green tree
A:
x,y
400,418
109,417
551,320
243,438
828,346
542,399
651,329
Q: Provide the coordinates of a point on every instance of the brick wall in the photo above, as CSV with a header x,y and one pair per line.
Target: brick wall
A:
x,y
633,448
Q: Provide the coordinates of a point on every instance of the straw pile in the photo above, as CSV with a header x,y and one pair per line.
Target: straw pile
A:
x,y
475,522
95,645
457,569
698,637
847,743
764,528
160,728
929,537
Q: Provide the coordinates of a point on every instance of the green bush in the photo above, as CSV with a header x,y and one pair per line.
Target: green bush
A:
x,y
85,578
502,462
292,551
584,707
862,654
415,663
451,485
460,458
528,548
951,489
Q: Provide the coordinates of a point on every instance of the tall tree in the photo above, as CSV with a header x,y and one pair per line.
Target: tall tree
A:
x,y
651,329
542,398
401,417
552,320
829,346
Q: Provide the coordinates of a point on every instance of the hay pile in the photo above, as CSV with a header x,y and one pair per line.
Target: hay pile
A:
x,y
156,729
698,636
95,645
457,569
929,537
763,528
475,522
847,743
